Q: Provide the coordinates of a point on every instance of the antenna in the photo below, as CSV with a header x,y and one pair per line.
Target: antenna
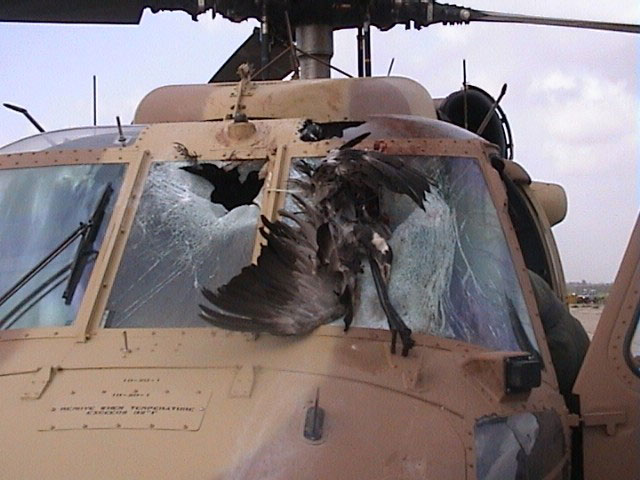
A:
x,y
393,59
24,112
487,117
95,102
122,139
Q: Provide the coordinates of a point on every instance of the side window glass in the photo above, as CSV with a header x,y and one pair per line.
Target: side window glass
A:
x,y
52,223
634,346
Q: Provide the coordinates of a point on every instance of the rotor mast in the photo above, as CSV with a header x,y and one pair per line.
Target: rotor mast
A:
x,y
315,49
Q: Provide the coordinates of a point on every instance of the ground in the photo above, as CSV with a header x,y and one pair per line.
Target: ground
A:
x,y
588,315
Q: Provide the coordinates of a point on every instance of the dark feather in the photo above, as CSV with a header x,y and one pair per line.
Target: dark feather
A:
x,y
308,270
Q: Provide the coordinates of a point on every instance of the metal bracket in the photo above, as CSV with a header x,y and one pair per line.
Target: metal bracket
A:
x,y
607,419
242,385
38,383
243,89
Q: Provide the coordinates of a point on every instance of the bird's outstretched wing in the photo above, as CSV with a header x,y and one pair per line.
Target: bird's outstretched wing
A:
x,y
286,293
377,170
363,169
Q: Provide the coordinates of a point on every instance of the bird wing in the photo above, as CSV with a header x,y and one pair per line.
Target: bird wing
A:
x,y
286,293
377,170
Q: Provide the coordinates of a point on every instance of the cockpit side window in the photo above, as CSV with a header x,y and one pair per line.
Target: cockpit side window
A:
x,y
52,223
529,238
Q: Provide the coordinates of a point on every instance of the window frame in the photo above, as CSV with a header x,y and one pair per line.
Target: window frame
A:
x,y
78,328
634,329
279,163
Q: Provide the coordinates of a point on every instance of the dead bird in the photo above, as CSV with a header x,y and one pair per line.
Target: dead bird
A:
x,y
307,273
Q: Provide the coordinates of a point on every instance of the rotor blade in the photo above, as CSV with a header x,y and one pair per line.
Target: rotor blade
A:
x,y
250,52
88,11
481,16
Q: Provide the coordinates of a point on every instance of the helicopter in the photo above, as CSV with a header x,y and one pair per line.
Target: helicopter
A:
x,y
108,372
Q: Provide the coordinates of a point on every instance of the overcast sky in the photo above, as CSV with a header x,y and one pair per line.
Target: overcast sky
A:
x,y
573,97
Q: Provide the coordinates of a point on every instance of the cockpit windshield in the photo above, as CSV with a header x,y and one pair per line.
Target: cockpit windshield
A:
x,y
52,223
195,227
452,274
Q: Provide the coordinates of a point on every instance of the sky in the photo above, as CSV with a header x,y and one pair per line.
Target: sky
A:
x,y
573,97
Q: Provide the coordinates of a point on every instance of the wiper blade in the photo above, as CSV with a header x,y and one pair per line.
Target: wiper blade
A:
x,y
43,263
85,249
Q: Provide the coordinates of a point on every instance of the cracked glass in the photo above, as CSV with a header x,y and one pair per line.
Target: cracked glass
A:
x,y
452,274
41,209
195,226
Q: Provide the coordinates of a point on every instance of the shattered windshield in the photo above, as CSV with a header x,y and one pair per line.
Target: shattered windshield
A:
x,y
195,227
52,223
452,273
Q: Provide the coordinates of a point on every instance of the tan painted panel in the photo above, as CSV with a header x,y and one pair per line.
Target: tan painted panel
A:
x,y
124,399
609,390
322,100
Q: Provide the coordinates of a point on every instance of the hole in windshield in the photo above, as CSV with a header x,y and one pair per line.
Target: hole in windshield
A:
x,y
195,226
233,185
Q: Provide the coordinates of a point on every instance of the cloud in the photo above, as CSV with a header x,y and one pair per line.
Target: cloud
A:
x,y
554,82
587,110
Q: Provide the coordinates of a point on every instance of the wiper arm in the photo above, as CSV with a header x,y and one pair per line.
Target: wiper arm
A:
x,y
31,300
43,263
85,249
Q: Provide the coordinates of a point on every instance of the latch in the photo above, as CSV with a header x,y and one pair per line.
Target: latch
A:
x,y
607,419
37,384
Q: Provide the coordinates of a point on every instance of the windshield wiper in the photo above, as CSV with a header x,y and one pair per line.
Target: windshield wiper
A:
x,y
85,249
88,231
43,263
